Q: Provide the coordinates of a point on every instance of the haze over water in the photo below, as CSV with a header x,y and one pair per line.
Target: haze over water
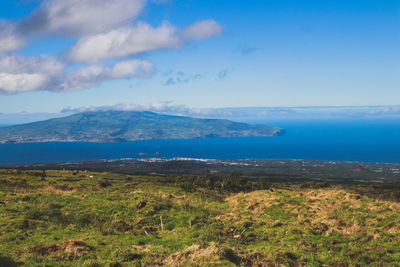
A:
x,y
367,140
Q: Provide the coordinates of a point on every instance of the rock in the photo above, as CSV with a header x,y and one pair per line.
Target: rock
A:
x,y
141,205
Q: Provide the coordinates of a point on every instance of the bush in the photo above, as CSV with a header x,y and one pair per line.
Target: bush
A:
x,y
7,261
263,184
188,186
315,185
104,184
187,183
235,183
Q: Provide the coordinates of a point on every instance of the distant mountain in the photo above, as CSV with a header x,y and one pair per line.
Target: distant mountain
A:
x,y
120,126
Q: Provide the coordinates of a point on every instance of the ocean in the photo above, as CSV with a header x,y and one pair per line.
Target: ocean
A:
x,y
368,140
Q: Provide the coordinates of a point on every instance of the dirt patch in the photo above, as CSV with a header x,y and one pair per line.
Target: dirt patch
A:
x,y
193,254
71,247
143,248
164,195
59,191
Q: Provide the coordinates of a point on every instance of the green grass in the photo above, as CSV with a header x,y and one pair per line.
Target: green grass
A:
x,y
67,218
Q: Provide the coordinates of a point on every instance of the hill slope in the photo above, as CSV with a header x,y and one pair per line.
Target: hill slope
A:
x,y
66,218
119,126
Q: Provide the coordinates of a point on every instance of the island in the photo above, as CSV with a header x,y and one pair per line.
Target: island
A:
x,y
121,126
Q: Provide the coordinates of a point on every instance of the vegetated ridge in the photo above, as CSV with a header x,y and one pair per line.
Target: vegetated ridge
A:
x,y
120,126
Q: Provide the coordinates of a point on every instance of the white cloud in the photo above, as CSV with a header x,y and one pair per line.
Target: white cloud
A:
x,y
45,73
87,77
22,74
124,42
138,39
253,113
79,17
202,30
9,39
83,20
24,82
18,64
159,107
138,68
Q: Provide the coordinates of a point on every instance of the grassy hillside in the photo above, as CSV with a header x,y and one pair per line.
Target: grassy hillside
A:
x,y
118,126
66,218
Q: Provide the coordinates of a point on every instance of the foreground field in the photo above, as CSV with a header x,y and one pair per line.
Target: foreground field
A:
x,y
66,218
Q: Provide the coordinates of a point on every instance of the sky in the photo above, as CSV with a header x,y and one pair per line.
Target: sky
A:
x,y
73,54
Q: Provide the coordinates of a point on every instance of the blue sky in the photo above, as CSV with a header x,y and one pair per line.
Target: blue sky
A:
x,y
269,53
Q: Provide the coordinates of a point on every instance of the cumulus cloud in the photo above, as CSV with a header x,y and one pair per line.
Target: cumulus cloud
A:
x,y
137,39
47,74
202,30
124,42
91,23
19,64
79,17
24,82
10,40
17,76
88,76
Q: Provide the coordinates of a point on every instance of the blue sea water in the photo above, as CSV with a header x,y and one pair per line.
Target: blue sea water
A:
x,y
367,140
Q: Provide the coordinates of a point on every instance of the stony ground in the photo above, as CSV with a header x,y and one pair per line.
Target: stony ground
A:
x,y
65,218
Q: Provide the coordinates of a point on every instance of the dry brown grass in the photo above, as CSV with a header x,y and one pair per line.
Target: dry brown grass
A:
x,y
71,247
254,202
321,208
143,248
193,254
53,190
324,203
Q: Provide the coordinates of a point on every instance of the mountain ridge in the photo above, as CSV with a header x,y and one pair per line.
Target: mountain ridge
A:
x,y
121,126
